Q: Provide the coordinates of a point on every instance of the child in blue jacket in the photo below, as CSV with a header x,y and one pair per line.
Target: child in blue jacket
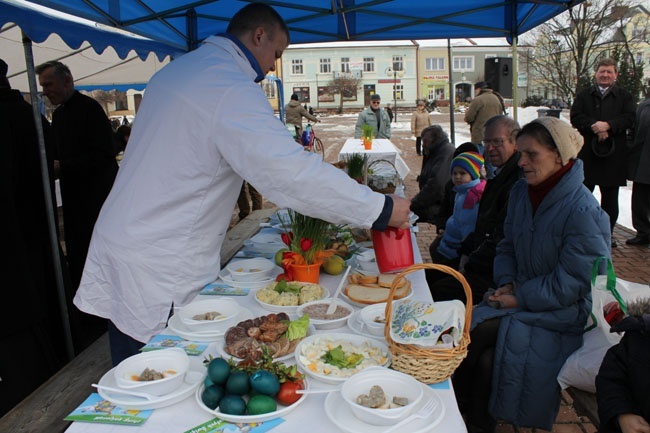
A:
x,y
466,171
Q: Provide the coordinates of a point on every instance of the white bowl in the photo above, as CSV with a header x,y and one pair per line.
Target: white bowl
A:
x,y
309,352
173,363
393,383
368,317
250,269
229,311
366,261
287,308
321,322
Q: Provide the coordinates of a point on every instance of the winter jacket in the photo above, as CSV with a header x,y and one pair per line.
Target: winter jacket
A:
x,y
368,117
419,120
548,256
481,244
294,112
463,220
623,381
432,180
484,106
618,109
639,154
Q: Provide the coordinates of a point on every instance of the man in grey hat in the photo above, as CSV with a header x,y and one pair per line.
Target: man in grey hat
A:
x,y
374,116
602,113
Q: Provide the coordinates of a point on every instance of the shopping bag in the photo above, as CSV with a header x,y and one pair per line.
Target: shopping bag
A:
x,y
580,369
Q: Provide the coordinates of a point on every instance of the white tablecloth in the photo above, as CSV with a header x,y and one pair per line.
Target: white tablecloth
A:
x,y
309,416
381,149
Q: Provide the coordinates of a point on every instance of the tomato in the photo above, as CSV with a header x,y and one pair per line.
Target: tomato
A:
x,y
287,394
282,277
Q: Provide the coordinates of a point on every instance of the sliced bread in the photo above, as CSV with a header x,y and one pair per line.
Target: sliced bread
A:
x,y
373,294
386,280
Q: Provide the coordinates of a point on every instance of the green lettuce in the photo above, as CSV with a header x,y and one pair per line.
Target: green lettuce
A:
x,y
297,328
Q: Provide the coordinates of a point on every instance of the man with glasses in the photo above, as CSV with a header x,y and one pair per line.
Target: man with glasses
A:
x,y
479,247
374,116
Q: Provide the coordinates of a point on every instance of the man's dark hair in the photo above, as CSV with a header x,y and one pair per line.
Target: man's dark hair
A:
x,y
256,15
60,70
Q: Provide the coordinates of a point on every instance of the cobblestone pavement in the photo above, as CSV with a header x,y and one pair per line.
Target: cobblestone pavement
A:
x,y
631,263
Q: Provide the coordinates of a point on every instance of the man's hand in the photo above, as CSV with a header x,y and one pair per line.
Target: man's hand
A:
x,y
599,127
602,136
631,423
401,210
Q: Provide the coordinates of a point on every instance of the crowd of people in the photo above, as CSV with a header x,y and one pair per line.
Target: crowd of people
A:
x,y
513,209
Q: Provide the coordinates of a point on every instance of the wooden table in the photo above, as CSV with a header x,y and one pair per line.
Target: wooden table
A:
x,y
381,149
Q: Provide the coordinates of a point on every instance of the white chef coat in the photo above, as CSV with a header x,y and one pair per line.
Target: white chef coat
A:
x,y
203,125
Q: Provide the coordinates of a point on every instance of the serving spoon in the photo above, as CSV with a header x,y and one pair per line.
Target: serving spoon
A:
x,y
144,395
332,307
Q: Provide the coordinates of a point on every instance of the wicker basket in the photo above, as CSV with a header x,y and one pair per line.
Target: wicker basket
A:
x,y
383,184
428,365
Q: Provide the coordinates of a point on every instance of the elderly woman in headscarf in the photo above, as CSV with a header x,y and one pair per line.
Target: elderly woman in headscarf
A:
x,y
526,328
438,153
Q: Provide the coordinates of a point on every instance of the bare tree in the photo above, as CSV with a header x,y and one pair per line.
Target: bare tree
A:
x,y
106,97
568,47
344,85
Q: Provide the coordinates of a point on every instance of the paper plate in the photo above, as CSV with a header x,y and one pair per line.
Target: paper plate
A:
x,y
176,325
289,309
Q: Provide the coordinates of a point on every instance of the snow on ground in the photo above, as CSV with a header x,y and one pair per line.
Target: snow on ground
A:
x,y
462,135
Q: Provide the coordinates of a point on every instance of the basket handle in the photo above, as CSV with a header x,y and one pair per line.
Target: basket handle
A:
x,y
400,181
421,266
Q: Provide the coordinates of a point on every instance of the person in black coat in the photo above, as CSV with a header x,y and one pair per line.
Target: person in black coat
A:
x,y
85,164
603,113
478,249
31,330
434,175
623,380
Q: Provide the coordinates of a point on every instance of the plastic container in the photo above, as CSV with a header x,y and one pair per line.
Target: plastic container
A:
x,y
393,249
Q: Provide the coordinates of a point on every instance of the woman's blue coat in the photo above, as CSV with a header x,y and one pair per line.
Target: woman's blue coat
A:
x,y
549,258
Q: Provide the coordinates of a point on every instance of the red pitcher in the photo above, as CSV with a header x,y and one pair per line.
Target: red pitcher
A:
x,y
393,249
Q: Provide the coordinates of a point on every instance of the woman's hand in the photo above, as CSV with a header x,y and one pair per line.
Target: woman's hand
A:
x,y
631,423
504,296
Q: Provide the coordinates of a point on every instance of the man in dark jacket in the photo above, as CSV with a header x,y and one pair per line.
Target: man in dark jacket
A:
x,y
638,163
28,270
624,378
85,164
602,113
479,247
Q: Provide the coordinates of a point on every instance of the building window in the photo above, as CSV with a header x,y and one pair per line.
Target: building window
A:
x,y
398,63
436,93
464,63
639,59
303,93
345,65
435,64
398,92
368,64
325,66
296,67
269,88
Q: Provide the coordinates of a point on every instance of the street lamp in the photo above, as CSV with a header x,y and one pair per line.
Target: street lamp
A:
x,y
394,72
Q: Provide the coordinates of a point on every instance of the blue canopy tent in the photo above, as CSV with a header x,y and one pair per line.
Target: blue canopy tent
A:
x,y
183,24
174,27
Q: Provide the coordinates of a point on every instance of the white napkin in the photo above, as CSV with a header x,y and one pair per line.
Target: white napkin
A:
x,y
428,324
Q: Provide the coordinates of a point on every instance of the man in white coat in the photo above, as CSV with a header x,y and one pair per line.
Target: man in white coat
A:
x,y
203,127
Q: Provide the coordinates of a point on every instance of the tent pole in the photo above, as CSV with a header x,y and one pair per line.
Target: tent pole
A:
x,y
452,126
45,175
515,77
